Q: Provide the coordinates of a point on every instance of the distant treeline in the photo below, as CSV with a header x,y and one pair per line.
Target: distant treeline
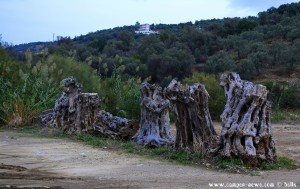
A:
x,y
246,45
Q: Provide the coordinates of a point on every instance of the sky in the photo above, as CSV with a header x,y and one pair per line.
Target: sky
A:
x,y
24,21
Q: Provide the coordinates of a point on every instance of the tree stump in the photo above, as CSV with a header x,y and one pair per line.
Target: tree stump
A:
x,y
194,128
154,128
246,128
115,127
77,112
74,111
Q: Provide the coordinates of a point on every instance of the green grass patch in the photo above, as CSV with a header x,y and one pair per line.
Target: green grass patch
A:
x,y
291,116
224,163
162,153
97,141
31,129
282,162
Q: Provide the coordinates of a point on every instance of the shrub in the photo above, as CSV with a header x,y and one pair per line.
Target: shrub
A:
x,y
27,100
121,98
281,96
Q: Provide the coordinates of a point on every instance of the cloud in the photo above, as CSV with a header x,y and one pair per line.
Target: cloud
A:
x,y
257,4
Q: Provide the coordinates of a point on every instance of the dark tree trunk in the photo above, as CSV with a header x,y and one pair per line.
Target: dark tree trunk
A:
x,y
195,131
246,130
155,122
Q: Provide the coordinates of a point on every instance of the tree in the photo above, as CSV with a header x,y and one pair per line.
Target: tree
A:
x,y
292,55
246,69
276,51
220,62
127,39
259,56
173,62
238,44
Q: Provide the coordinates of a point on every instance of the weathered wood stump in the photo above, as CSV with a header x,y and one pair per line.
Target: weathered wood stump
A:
x,y
154,128
74,111
194,128
116,127
246,128
77,112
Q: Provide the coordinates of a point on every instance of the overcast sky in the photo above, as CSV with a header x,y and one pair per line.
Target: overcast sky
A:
x,y
24,21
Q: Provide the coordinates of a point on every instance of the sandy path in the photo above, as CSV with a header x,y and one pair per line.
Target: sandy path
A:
x,y
69,164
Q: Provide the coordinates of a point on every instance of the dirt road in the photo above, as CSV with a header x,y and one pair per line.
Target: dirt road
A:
x,y
31,162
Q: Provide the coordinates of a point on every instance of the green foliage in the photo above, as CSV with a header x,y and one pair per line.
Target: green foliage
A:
x,y
246,69
28,89
66,67
216,93
224,163
282,96
165,153
285,103
290,116
173,62
121,97
27,100
219,63
25,90
92,140
282,162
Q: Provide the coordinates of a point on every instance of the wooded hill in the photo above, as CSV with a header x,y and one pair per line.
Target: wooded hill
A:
x,y
263,47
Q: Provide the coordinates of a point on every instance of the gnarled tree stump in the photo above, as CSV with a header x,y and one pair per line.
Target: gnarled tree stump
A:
x,y
195,131
116,127
155,122
246,130
76,112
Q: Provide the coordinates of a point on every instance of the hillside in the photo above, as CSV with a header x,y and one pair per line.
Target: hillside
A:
x,y
246,45
113,62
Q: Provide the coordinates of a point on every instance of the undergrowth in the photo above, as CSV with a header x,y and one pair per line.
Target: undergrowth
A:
x,y
289,116
282,162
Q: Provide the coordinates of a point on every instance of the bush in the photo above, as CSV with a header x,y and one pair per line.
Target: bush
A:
x,y
22,103
281,96
121,98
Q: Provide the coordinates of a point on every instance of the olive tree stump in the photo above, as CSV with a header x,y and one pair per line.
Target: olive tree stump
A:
x,y
76,112
194,128
113,126
246,128
154,128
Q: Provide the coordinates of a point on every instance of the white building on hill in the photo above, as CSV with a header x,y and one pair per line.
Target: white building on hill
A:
x,y
145,29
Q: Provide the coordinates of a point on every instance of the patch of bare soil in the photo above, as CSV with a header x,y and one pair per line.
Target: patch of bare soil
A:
x,y
31,162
